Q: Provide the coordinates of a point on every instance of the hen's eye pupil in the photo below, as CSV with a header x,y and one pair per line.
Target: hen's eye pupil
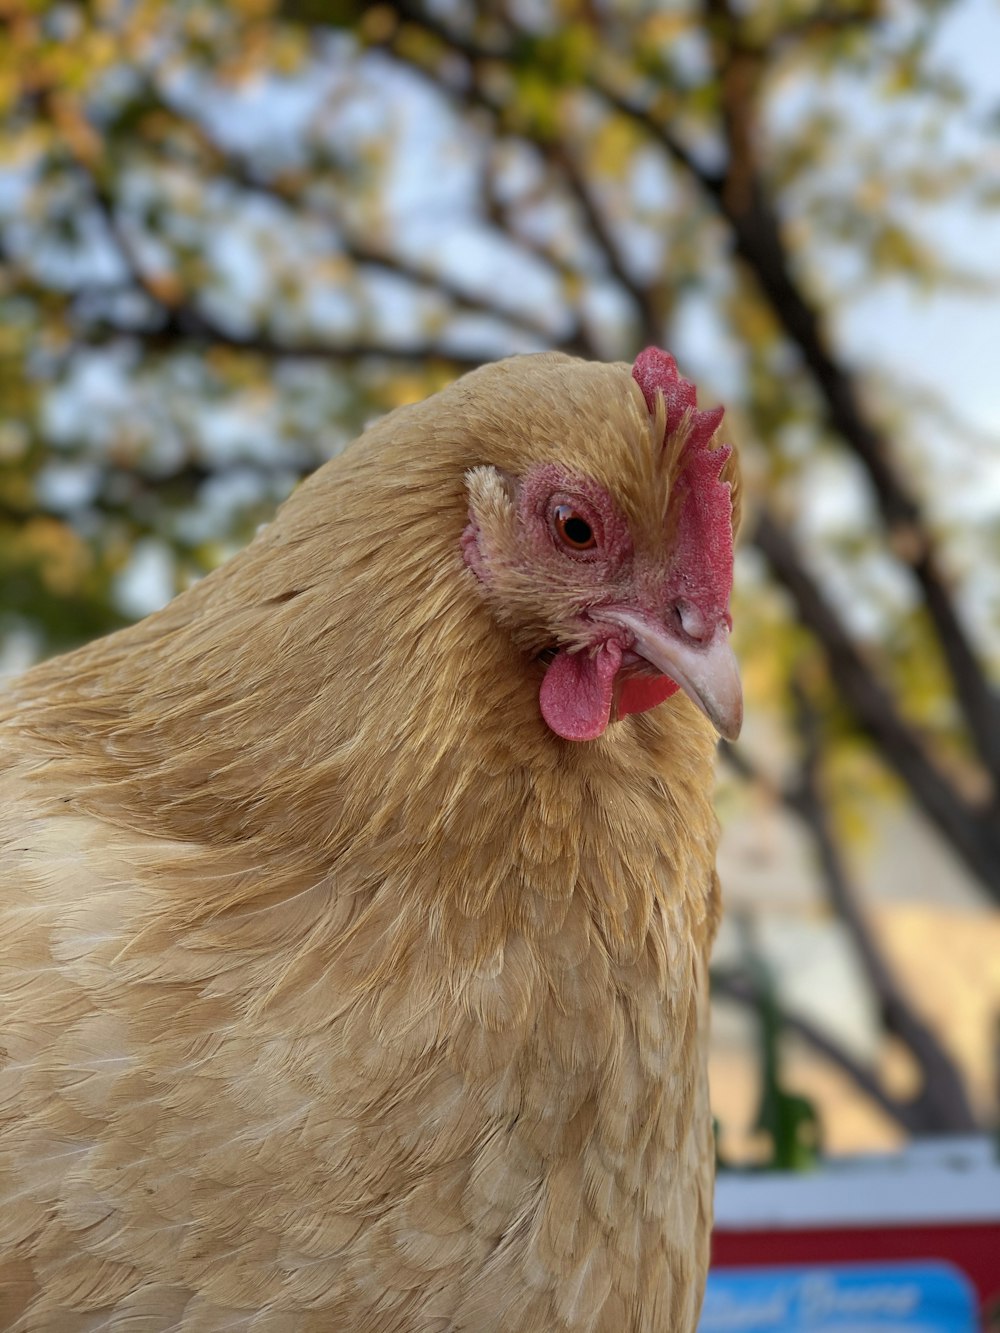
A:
x,y
573,529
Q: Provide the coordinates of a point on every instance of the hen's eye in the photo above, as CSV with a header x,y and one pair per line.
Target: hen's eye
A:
x,y
573,528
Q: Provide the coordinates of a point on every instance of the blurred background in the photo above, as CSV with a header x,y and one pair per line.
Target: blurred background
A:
x,y
231,234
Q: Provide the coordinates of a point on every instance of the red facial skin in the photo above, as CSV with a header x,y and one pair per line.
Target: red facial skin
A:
x,y
703,546
545,487
673,602
581,690
606,679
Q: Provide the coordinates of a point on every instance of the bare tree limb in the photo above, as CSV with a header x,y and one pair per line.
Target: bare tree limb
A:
x,y
942,1100
641,112
731,986
182,321
942,1106
823,21
184,325
758,243
756,229
651,323
369,257
558,153
972,830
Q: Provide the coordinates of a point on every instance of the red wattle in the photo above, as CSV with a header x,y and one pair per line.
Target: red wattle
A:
x,y
644,692
577,691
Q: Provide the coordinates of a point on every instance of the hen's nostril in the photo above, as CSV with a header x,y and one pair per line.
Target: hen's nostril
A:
x,y
691,621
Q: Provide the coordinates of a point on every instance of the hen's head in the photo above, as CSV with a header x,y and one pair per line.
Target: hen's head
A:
x,y
601,533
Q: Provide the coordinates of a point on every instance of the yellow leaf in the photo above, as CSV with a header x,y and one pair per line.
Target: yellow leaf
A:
x,y
63,559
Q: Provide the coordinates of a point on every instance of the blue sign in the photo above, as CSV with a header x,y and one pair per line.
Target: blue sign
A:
x,y
856,1298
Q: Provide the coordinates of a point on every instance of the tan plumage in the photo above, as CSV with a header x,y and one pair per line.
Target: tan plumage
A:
x,y
336,992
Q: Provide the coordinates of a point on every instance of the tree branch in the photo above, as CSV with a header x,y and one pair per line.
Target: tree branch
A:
x,y
185,325
641,112
973,832
651,324
756,229
758,243
367,256
560,154
734,987
943,1105
182,321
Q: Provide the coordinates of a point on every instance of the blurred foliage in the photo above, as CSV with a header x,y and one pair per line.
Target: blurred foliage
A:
x,y
230,233
210,212
787,1128
790,1121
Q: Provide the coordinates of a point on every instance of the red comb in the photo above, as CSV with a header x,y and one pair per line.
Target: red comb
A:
x,y
704,537
655,369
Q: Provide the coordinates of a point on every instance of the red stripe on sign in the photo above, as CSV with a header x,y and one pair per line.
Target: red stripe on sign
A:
x,y
974,1250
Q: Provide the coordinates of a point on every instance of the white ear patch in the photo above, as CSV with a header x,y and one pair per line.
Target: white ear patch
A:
x,y
491,493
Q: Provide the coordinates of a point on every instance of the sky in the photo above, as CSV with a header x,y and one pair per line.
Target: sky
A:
x,y
952,342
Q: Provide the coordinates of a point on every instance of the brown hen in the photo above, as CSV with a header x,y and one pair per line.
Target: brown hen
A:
x,y
356,906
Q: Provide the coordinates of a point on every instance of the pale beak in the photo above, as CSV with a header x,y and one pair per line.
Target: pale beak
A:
x,y
705,669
